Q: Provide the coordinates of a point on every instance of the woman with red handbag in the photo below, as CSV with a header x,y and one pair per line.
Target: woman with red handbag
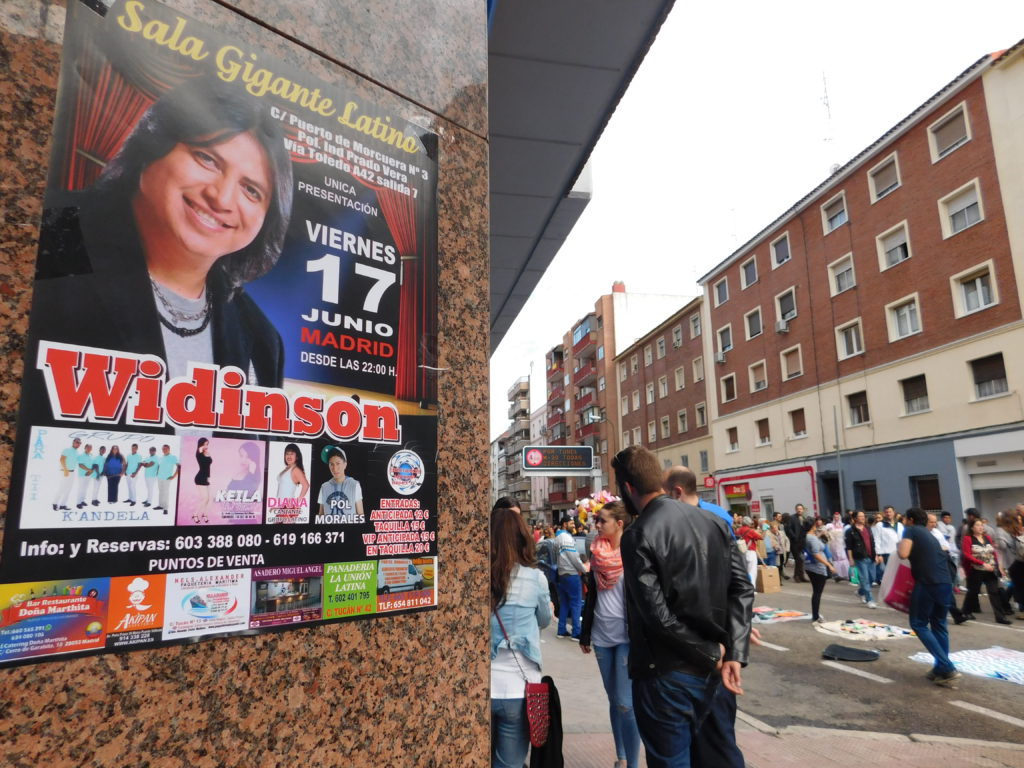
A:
x,y
520,608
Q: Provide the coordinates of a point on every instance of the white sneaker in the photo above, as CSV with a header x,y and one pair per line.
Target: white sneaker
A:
x,y
819,620
872,604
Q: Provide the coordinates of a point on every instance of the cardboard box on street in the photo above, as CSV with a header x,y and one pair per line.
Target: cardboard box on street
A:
x,y
767,579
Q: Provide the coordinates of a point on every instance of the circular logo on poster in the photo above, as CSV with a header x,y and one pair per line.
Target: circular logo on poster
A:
x,y
405,472
534,458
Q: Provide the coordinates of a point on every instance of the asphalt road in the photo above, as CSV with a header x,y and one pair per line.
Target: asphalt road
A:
x,y
793,686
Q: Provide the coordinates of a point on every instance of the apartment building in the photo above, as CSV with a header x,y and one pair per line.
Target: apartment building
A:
x,y
582,409
662,393
867,347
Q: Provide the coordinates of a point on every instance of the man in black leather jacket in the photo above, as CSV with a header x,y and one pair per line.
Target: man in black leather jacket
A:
x,y
689,604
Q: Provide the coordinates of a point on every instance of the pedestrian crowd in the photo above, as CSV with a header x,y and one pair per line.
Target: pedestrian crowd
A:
x,y
658,586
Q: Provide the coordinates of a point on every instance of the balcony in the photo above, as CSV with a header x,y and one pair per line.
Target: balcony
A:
x,y
522,424
519,406
588,429
586,346
556,417
520,388
557,394
557,440
502,467
557,497
585,375
555,366
519,486
584,400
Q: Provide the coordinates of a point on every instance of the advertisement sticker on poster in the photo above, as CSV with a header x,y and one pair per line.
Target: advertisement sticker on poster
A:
x,y
228,418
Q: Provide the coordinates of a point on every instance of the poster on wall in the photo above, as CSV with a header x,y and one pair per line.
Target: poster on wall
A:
x,y
228,419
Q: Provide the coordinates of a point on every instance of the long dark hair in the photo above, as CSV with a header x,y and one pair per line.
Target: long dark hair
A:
x,y
298,455
511,545
203,113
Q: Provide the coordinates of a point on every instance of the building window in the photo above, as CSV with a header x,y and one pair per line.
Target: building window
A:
x,y
989,376
704,465
636,436
974,290
623,373
648,358
600,384
694,325
659,348
753,323
698,369
961,209
833,213
685,459
797,423
780,251
849,341
677,337
681,425
634,366
792,362
785,304
758,376
915,394
625,405
732,437
652,432
680,378
865,495
904,318
748,272
700,410
600,352
764,434
636,399
721,291
926,493
841,274
604,446
893,246
650,393
858,405
666,427
884,178
728,384
725,339
948,132
663,386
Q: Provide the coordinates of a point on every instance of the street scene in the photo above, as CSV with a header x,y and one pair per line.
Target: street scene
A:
x,y
800,709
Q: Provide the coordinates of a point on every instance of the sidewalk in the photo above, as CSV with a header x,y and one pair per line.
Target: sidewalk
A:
x,y
798,746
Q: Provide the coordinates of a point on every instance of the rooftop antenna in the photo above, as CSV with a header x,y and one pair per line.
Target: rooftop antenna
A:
x,y
828,121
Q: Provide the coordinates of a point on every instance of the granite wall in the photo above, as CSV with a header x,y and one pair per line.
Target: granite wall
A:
x,y
405,690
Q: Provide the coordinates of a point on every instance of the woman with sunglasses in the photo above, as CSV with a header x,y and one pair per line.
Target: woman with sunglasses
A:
x,y
604,630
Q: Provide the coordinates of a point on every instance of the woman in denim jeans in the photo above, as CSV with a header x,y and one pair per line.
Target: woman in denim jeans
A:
x,y
604,628
519,596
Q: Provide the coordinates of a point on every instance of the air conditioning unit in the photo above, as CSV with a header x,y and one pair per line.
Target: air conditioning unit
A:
x,y
782,326
720,357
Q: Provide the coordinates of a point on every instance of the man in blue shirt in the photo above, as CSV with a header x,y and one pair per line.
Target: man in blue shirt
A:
x,y
85,470
133,465
168,472
933,592
152,465
68,465
681,483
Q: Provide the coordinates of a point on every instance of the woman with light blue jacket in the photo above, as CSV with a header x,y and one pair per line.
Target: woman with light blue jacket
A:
x,y
520,608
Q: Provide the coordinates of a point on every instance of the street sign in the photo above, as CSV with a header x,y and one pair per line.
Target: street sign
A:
x,y
551,457
709,482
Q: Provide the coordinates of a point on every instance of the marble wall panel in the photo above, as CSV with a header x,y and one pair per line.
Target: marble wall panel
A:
x,y
408,690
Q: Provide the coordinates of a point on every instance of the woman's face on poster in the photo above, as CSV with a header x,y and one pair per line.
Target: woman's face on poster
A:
x,y
201,203
246,463
289,458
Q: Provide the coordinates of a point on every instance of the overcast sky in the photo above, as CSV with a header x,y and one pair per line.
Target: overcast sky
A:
x,y
724,127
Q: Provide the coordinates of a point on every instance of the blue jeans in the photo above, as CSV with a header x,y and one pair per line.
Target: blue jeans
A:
x,y
769,559
613,661
570,599
510,733
866,572
686,721
928,605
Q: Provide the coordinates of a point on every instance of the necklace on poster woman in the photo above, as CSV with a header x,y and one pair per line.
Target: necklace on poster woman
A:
x,y
178,317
